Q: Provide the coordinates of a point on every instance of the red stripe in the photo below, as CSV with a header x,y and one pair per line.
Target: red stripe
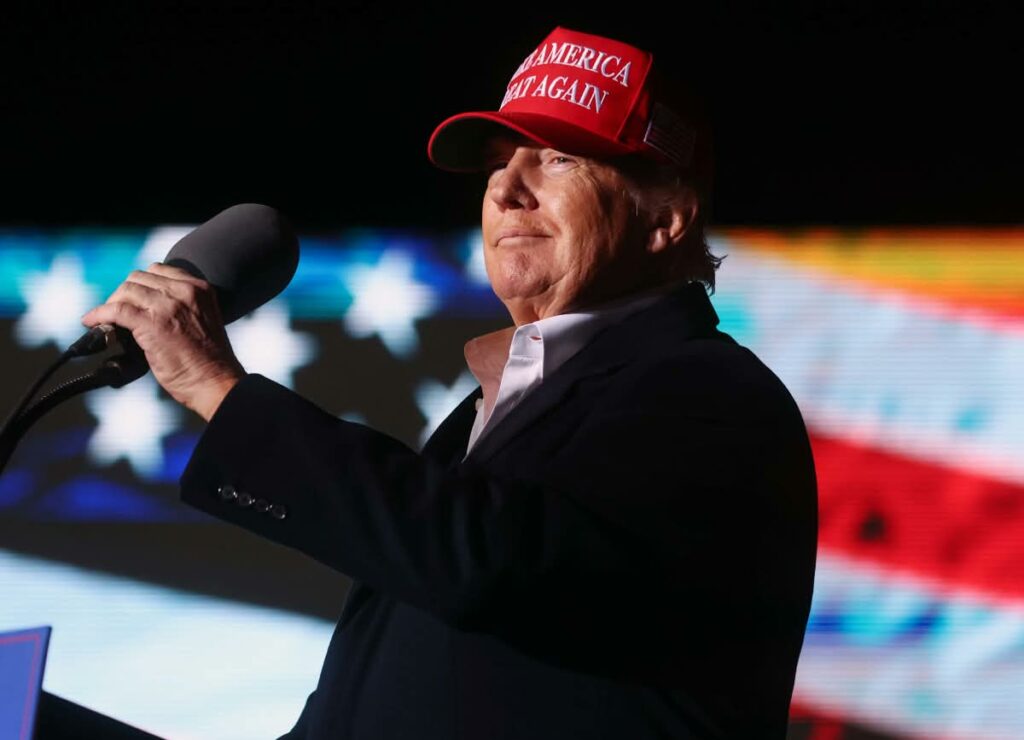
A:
x,y
942,523
820,725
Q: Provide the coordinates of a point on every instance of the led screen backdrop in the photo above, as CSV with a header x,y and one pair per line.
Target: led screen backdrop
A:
x,y
904,350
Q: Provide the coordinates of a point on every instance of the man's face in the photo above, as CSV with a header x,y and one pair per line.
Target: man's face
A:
x,y
560,231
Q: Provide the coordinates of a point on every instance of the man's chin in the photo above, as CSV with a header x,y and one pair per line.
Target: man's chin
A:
x,y
527,305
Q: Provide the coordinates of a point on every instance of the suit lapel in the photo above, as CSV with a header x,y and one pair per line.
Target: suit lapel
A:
x,y
682,314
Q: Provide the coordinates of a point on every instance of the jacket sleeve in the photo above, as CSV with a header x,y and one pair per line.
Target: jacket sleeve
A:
x,y
638,501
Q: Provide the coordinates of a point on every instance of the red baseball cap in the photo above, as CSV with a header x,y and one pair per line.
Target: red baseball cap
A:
x,y
581,94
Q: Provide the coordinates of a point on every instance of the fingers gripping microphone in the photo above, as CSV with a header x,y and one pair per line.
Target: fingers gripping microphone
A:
x,y
247,252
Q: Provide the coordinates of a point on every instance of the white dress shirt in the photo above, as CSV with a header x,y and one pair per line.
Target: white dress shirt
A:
x,y
536,351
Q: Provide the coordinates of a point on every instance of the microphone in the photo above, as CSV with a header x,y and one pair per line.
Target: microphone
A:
x,y
247,252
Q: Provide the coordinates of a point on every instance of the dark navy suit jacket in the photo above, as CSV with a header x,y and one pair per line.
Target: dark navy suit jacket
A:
x,y
628,554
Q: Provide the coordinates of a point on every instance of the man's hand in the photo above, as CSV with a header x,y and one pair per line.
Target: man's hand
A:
x,y
175,319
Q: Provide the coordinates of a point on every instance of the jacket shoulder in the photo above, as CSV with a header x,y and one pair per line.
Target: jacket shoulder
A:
x,y
712,373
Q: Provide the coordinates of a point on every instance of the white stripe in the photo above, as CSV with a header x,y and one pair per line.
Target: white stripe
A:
x,y
177,665
873,367
960,676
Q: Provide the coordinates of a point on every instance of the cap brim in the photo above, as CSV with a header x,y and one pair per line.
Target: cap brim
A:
x,y
459,144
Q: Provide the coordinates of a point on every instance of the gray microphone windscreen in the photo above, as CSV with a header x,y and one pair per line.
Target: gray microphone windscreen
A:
x,y
248,252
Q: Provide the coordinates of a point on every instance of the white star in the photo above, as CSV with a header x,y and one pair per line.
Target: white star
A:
x,y
475,267
55,301
159,243
264,343
436,400
133,421
387,302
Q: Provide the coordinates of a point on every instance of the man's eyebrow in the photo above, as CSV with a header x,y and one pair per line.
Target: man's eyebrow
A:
x,y
492,151
494,144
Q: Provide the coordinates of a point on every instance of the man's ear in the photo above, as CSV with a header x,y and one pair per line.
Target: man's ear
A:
x,y
673,219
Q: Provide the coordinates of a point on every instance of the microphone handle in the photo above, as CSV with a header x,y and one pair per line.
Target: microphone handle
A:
x,y
99,338
131,362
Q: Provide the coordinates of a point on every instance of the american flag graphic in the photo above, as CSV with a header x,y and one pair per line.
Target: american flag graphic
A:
x,y
904,349
905,352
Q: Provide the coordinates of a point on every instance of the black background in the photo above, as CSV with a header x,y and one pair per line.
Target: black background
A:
x,y
825,113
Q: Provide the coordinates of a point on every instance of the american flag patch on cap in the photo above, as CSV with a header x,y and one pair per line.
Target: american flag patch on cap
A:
x,y
670,135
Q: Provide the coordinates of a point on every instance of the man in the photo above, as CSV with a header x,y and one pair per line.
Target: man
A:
x,y
614,536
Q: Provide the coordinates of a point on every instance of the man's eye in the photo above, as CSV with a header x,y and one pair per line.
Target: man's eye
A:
x,y
561,159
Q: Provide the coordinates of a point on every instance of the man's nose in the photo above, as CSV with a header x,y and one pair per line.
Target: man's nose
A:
x,y
509,188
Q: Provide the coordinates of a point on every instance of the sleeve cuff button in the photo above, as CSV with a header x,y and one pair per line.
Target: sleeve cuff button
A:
x,y
278,511
227,492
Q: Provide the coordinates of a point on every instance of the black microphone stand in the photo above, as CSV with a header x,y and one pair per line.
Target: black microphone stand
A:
x,y
115,372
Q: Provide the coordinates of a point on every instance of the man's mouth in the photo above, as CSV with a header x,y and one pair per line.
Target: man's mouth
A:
x,y
517,235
